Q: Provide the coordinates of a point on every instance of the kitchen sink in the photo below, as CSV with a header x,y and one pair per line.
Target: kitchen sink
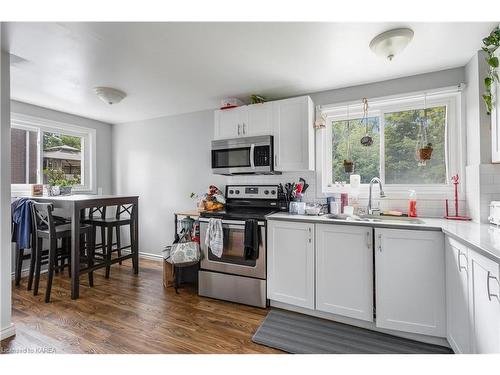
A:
x,y
377,219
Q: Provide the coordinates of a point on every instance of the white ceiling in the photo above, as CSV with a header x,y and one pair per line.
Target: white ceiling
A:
x,y
170,68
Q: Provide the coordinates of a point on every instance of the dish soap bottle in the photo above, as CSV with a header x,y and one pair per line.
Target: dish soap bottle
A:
x,y
412,204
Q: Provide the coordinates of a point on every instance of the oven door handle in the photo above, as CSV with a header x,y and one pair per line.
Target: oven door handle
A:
x,y
239,223
252,155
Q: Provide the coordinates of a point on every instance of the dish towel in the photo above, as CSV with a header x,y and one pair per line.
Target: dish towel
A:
x,y
214,238
252,239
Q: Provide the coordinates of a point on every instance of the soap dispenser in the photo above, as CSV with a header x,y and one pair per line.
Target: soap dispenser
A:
x,y
412,204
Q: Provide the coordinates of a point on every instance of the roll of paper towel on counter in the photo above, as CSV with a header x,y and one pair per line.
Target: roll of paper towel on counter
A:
x,y
355,180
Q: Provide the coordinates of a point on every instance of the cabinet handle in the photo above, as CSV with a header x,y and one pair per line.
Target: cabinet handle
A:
x,y
489,277
239,129
380,243
460,267
310,235
368,242
244,131
276,160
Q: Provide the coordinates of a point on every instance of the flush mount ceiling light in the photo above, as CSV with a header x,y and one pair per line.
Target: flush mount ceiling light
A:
x,y
391,42
110,95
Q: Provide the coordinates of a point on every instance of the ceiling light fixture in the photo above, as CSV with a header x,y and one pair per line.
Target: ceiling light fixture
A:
x,y
110,95
391,42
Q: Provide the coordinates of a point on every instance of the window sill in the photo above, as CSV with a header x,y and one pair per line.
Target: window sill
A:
x,y
397,192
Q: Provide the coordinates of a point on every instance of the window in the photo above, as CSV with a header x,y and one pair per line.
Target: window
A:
x,y
398,127
38,146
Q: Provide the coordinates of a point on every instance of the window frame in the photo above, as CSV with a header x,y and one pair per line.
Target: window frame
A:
x,y
454,145
88,162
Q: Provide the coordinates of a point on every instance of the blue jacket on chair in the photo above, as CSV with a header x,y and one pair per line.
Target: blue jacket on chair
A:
x,y
21,220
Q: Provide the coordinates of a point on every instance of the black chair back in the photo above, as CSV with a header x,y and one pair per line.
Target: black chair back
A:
x,y
42,218
125,209
97,211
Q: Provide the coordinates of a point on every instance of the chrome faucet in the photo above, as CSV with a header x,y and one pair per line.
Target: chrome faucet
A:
x,y
371,210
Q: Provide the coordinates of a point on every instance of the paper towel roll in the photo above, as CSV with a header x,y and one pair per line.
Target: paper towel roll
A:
x,y
355,180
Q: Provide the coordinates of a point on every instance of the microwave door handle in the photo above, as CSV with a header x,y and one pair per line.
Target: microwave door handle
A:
x,y
252,156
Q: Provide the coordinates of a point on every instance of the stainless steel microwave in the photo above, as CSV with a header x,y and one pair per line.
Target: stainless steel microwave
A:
x,y
248,155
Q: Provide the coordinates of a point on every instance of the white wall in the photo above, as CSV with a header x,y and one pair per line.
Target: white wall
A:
x,y
163,160
6,327
482,177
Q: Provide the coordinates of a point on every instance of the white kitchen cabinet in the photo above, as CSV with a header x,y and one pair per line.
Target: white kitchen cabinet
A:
x,y
484,303
495,121
293,134
244,121
410,281
290,268
457,296
228,122
344,270
259,120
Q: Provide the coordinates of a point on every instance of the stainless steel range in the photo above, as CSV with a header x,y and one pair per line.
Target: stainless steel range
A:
x,y
234,276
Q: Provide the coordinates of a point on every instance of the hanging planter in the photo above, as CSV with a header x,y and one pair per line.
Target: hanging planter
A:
x,y
367,139
348,166
423,151
348,163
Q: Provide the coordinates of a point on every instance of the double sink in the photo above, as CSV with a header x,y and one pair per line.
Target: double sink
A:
x,y
376,219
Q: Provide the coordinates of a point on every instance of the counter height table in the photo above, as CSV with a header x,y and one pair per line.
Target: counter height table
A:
x,y
75,204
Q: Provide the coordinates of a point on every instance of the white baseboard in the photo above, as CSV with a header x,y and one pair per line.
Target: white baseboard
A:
x,y
7,332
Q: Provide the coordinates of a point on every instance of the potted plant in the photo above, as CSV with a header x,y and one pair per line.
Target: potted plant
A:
x,y
59,184
425,153
490,46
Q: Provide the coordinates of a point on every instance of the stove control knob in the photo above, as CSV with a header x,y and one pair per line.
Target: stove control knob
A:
x,y
237,191
266,192
231,191
273,192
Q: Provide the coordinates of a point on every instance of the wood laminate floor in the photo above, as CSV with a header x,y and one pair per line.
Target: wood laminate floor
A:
x,y
130,314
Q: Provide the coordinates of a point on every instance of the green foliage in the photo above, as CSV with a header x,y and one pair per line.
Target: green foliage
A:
x,y
57,177
366,159
400,135
401,131
55,140
490,45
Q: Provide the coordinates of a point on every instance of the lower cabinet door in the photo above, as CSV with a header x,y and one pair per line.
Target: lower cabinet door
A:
x,y
290,263
344,270
485,304
457,296
410,281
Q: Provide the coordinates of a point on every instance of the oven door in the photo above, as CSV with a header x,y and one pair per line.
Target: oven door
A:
x,y
233,259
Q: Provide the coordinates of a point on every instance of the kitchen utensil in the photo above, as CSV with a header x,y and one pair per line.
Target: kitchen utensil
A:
x,y
305,185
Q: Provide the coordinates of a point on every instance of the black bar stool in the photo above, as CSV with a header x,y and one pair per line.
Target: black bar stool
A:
x,y
124,216
45,228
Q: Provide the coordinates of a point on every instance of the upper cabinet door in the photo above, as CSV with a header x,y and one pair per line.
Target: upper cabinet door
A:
x,y
229,123
410,281
485,303
344,270
259,119
457,296
293,134
290,267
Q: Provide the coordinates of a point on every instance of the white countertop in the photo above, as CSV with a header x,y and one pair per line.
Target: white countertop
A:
x,y
483,238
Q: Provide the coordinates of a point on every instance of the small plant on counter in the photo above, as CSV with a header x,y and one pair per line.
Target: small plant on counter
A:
x,y
490,45
58,182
